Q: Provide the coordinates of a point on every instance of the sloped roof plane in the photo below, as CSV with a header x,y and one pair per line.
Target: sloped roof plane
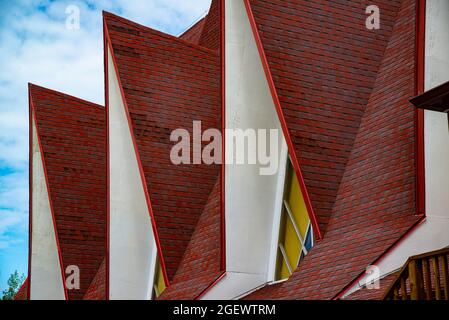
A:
x,y
344,92
193,34
168,83
72,133
200,266
371,204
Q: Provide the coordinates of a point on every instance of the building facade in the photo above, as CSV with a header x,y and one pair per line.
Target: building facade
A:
x,y
361,181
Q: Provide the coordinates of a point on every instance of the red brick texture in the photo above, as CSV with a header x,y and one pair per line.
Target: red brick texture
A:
x,y
200,266
344,91
324,63
365,188
210,37
72,133
22,294
168,83
193,34
97,289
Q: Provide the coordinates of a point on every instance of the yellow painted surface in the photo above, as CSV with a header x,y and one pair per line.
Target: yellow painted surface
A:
x,y
283,272
159,281
292,248
288,236
298,206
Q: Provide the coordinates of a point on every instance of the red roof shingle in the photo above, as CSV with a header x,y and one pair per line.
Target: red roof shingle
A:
x,y
97,289
22,294
210,37
324,63
365,192
72,134
200,266
193,34
168,83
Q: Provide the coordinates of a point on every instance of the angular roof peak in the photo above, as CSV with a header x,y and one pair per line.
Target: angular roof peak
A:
x,y
72,135
343,92
167,84
120,24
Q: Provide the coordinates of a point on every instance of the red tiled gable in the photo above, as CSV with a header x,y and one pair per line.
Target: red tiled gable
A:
x,y
22,294
210,37
168,83
324,63
375,203
200,266
97,289
193,34
73,138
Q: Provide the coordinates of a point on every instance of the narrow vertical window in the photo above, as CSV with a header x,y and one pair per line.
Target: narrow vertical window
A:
x,y
295,234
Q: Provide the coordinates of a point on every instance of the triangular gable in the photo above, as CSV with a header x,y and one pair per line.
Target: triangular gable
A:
x,y
210,37
323,62
193,34
375,203
168,83
72,133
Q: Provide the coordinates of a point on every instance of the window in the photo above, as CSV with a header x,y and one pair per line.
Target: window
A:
x,y
295,233
159,282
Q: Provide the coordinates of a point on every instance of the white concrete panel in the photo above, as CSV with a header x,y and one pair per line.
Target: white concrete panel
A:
x,y
132,244
436,144
46,276
277,212
433,233
436,125
233,286
437,43
251,198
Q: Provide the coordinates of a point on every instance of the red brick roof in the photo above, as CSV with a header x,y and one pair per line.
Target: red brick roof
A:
x,y
345,91
97,289
72,133
324,63
22,294
168,83
210,37
200,266
206,32
193,34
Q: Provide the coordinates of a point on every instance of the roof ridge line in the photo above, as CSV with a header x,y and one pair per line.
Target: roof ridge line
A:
x,y
203,16
159,33
66,95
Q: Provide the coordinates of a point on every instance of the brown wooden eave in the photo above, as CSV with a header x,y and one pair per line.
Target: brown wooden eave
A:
x,y
436,99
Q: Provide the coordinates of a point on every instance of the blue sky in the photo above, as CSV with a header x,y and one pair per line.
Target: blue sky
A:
x,y
36,46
